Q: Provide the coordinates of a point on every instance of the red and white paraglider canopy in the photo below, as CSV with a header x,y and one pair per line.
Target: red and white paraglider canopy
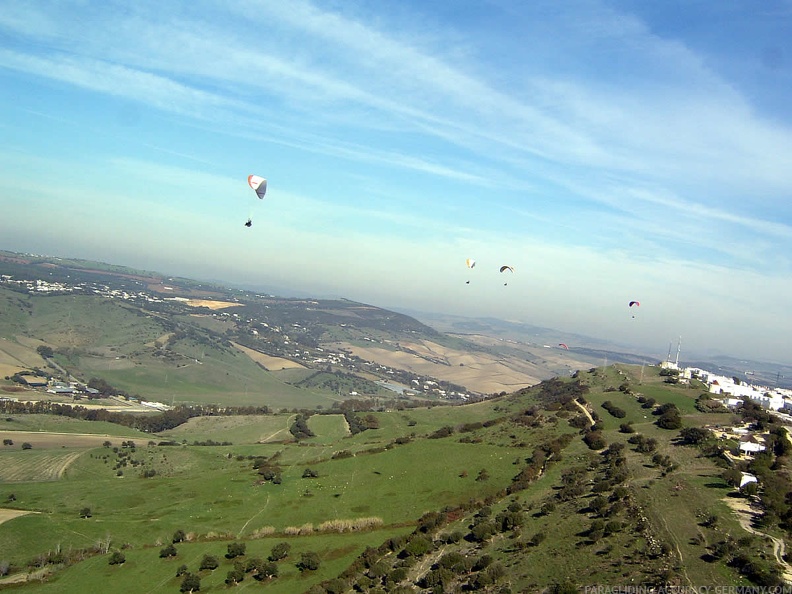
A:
x,y
258,184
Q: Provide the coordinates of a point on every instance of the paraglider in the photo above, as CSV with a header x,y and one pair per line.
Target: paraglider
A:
x,y
259,185
636,304
504,269
563,346
470,263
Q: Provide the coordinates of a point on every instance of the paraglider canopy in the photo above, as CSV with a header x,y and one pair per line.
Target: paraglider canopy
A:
x,y
635,303
563,346
258,184
505,268
470,262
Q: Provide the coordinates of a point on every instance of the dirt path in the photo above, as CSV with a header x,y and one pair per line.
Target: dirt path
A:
x,y
585,411
745,515
266,438
241,530
679,554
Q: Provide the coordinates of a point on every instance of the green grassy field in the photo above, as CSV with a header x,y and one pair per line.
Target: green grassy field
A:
x,y
215,495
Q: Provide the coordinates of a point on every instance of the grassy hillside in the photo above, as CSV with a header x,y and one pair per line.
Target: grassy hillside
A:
x,y
501,495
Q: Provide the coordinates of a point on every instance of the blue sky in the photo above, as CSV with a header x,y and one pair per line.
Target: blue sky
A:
x,y
607,150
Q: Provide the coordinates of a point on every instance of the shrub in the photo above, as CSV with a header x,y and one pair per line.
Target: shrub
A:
x,y
309,561
266,570
442,432
235,549
117,558
190,583
209,562
279,551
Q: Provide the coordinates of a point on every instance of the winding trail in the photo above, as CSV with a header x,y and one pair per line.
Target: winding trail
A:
x,y
253,517
746,515
585,411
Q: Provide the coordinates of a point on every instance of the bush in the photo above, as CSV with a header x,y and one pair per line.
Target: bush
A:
x,y
279,551
442,432
169,551
417,546
266,570
209,562
235,549
190,583
117,558
309,561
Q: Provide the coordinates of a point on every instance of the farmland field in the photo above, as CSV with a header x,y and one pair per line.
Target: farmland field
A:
x,y
31,466
480,372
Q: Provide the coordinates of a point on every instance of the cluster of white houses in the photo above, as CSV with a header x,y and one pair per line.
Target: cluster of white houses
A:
x,y
733,390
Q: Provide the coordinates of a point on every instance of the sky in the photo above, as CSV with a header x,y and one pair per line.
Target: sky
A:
x,y
607,150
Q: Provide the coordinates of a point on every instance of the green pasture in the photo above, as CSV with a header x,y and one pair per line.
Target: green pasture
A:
x,y
242,429
145,572
201,489
15,312
327,428
91,322
221,378
60,424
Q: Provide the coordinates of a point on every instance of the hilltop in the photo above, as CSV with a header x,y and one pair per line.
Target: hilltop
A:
x,y
517,493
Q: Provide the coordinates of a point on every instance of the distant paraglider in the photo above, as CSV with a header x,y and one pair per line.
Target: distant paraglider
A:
x,y
563,346
259,185
634,304
504,269
470,263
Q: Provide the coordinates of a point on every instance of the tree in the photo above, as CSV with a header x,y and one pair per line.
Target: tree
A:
x,y
26,446
234,576
309,561
190,583
85,512
266,570
279,551
117,558
178,536
169,551
732,476
8,442
694,435
209,562
45,351
235,549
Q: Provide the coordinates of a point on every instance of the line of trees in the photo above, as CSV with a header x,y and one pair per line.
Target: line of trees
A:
x,y
150,423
